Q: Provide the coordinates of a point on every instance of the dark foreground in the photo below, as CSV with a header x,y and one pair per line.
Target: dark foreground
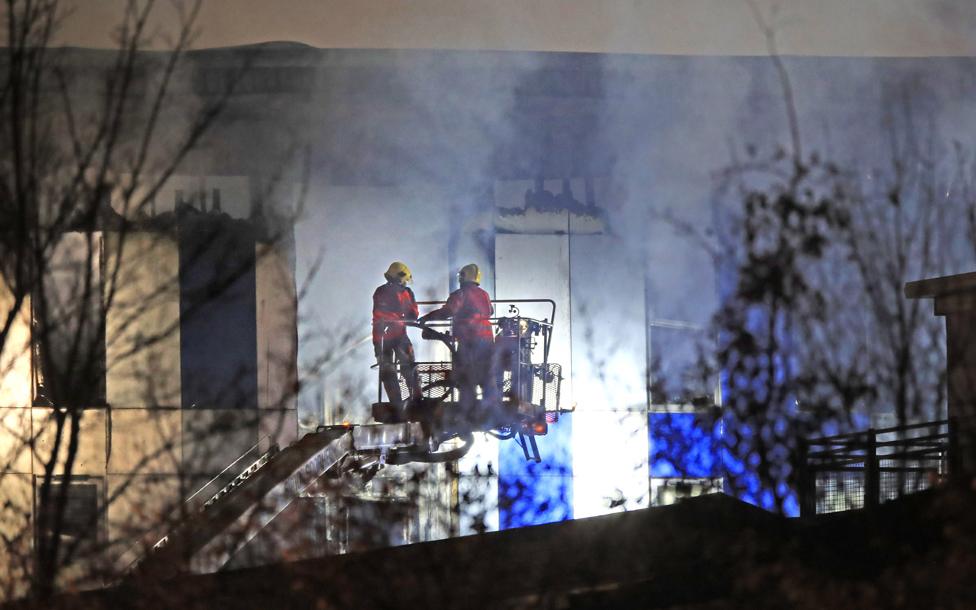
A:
x,y
709,552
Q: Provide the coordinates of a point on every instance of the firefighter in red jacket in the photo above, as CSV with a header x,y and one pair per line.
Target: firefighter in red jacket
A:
x,y
394,304
469,307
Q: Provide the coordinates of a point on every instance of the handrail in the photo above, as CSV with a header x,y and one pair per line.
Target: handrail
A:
x,y
932,441
429,329
825,462
552,311
932,450
174,514
245,474
229,466
862,433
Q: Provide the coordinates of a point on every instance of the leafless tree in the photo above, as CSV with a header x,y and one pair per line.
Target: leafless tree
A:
x,y
814,335
90,140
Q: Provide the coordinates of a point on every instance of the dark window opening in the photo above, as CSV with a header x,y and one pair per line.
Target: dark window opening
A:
x,y
80,523
677,377
68,354
218,312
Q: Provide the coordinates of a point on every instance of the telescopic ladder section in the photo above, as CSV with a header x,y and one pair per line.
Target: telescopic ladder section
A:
x,y
209,536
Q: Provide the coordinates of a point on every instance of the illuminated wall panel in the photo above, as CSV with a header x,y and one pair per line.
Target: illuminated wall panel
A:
x,y
537,267
277,340
609,461
532,493
478,486
15,439
684,445
609,355
91,449
146,441
15,385
146,306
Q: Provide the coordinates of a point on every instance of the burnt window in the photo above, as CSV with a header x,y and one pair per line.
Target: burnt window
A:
x,y
676,376
218,312
68,324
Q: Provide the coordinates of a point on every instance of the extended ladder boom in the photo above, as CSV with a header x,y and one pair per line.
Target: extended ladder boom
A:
x,y
209,536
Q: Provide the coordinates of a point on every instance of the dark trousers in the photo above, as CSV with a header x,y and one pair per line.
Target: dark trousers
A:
x,y
514,357
387,355
473,367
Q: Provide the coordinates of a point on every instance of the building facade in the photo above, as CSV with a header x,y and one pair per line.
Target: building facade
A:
x,y
563,176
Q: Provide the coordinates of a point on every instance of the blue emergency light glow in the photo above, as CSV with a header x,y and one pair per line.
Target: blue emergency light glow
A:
x,y
684,445
531,493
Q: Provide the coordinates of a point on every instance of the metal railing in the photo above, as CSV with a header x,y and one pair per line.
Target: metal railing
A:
x,y
209,492
864,469
519,376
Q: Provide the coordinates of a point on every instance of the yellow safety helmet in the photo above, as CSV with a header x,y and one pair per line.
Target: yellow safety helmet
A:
x,y
399,273
469,273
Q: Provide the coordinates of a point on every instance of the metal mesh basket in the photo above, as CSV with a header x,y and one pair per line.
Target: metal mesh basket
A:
x,y
539,385
546,384
434,380
902,477
864,469
839,491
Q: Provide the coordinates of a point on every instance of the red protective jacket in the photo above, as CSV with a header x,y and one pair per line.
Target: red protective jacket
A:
x,y
392,303
470,308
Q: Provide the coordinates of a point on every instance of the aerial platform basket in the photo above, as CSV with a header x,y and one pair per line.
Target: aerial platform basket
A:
x,y
529,385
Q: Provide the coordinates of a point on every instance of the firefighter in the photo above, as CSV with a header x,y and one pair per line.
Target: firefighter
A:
x,y
394,304
469,308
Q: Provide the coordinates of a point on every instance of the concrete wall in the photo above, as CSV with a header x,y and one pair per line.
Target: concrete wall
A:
x,y
537,267
610,436
599,341
15,389
276,330
142,326
277,343
15,455
16,527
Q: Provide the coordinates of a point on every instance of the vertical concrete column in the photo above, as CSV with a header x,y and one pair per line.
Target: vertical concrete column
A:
x,y
954,298
961,378
537,266
610,433
16,451
277,343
